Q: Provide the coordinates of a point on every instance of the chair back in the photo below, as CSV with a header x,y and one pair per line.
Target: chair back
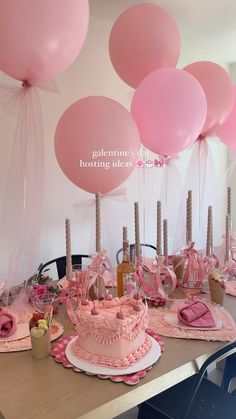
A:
x,y
132,251
61,263
222,353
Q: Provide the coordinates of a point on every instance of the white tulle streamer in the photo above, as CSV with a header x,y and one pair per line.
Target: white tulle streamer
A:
x,y
23,199
202,179
170,196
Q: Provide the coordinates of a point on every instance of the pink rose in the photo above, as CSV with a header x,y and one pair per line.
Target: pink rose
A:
x,y
39,291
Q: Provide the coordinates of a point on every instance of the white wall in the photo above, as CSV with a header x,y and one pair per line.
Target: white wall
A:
x,y
92,74
232,157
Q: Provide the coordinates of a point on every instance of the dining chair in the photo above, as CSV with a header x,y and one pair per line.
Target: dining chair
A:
x,y
229,372
195,397
132,251
61,264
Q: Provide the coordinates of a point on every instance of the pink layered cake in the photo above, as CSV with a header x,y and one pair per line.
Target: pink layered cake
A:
x,y
111,332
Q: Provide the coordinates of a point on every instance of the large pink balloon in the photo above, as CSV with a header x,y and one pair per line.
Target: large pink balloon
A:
x,y
169,107
218,89
40,39
96,143
143,39
227,131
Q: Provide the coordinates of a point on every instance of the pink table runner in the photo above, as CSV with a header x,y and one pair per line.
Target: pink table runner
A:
x,y
24,344
158,323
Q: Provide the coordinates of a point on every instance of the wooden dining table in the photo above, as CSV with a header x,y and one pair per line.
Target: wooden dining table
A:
x,y
44,389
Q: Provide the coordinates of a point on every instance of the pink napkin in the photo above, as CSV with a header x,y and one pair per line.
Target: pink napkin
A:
x,y
7,323
196,314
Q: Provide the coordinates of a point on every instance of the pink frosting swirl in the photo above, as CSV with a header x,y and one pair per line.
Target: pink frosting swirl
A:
x,y
112,362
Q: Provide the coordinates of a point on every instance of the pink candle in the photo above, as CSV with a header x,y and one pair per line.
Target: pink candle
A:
x,y
68,250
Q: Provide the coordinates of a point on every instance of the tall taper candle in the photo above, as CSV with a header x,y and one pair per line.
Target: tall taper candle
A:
x,y
211,228
209,232
68,250
189,221
98,221
229,201
125,234
227,238
186,221
229,206
159,251
165,240
136,225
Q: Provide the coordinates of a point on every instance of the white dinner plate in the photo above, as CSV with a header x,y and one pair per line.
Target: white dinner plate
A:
x,y
173,320
149,359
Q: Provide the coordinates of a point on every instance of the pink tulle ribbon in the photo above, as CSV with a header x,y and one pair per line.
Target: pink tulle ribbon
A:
x,y
171,183
201,179
84,207
23,201
231,167
112,204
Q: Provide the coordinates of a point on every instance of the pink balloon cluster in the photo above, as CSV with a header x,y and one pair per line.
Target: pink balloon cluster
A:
x,y
170,108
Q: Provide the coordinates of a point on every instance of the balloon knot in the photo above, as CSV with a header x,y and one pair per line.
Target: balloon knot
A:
x,y
26,83
201,137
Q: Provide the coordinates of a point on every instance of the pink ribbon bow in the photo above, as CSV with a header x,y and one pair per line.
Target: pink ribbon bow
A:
x,y
211,262
157,274
230,268
66,298
194,266
99,269
138,273
232,247
164,274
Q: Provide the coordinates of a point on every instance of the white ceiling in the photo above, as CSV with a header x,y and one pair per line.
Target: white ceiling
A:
x,y
207,27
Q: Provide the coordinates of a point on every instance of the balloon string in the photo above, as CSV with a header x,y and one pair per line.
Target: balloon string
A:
x,y
166,186
202,164
144,196
199,184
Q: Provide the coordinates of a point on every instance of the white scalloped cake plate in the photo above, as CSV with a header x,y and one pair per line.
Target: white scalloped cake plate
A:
x,y
173,320
149,359
21,332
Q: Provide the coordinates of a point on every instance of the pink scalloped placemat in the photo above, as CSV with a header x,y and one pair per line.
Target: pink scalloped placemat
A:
x,y
58,351
24,344
225,334
231,288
